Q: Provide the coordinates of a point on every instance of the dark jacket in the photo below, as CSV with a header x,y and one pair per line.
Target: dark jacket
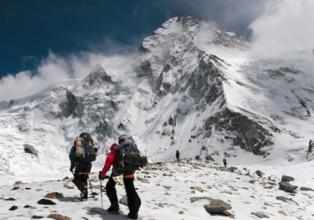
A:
x,y
77,164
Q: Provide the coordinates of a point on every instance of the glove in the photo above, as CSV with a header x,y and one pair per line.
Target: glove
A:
x,y
101,177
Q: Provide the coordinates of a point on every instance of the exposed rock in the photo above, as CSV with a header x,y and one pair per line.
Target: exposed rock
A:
x,y
28,207
144,69
217,207
197,188
122,126
18,183
200,86
209,158
10,199
282,213
104,128
259,173
285,178
232,169
303,188
98,77
72,106
13,208
260,214
46,202
30,149
54,195
285,199
252,181
287,187
58,217
15,188
248,134
37,217
167,187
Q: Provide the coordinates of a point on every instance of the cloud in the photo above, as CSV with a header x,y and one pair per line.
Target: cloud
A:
x,y
56,69
230,14
285,28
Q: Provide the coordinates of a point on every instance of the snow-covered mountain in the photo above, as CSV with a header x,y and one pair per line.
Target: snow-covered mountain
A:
x,y
192,88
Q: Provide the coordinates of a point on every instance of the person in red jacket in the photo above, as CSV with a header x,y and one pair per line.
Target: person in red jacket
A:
x,y
134,201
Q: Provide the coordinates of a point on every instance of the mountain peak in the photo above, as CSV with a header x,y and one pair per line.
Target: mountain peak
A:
x,y
189,30
97,77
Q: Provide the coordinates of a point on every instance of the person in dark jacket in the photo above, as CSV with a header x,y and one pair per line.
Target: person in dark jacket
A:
x,y
80,168
310,148
134,202
224,161
178,155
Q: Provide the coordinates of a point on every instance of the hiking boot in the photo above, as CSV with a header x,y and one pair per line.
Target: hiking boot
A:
x,y
132,216
113,210
84,196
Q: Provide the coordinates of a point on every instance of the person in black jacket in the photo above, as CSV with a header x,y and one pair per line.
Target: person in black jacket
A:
x,y
81,162
178,155
310,148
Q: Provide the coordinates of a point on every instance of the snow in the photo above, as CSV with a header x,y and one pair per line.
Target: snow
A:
x,y
166,191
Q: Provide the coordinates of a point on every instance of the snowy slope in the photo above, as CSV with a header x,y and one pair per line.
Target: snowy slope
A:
x,y
171,190
191,87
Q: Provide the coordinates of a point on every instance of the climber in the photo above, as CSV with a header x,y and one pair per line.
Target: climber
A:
x,y
178,155
310,148
82,154
225,162
125,160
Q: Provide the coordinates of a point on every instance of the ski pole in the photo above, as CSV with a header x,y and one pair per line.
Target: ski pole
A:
x,y
101,199
90,186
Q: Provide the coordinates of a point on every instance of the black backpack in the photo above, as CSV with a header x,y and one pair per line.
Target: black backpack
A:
x,y
129,158
90,152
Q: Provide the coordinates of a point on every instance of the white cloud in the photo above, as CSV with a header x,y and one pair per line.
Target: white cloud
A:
x,y
55,69
284,29
233,15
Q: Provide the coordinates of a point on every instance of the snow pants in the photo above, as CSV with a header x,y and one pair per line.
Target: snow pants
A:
x,y
81,175
134,201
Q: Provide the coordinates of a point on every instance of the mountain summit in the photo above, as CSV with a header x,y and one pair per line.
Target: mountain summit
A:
x,y
192,88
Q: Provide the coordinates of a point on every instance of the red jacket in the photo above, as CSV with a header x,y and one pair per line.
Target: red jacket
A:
x,y
110,159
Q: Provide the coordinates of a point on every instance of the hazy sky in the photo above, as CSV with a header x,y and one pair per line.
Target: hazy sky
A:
x,y
30,29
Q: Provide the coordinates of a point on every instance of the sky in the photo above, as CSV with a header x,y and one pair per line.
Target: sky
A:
x,y
31,30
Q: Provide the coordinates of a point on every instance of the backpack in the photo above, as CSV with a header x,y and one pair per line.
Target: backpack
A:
x,y
86,152
129,158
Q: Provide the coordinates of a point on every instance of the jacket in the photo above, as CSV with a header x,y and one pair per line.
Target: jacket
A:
x,y
111,160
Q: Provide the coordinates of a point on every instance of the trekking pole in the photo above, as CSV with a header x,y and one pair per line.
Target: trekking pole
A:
x,y
101,199
91,187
